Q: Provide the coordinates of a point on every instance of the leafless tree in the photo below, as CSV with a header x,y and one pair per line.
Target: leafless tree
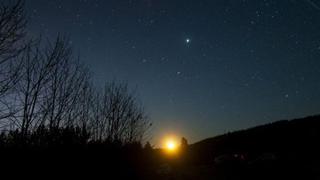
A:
x,y
12,29
54,91
120,116
38,68
82,115
12,33
66,89
98,123
51,89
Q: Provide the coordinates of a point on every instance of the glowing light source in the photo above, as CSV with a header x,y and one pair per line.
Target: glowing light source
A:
x,y
170,145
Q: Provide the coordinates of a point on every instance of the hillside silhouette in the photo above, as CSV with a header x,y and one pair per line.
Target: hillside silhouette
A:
x,y
286,149
278,136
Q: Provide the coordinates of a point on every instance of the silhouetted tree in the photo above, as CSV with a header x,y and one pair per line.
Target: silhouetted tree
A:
x,y
148,147
12,32
66,90
119,117
52,95
38,66
184,142
184,147
12,29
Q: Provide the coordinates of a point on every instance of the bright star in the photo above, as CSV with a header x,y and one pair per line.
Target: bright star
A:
x,y
188,40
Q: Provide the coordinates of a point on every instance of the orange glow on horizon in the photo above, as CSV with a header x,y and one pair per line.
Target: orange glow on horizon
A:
x,y
170,145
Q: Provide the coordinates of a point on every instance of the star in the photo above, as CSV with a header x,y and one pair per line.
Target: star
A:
x,y
144,60
188,40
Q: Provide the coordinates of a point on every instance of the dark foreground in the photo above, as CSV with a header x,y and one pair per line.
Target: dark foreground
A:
x,y
282,150
96,164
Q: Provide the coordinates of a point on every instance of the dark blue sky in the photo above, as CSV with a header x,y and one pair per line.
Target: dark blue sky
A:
x,y
201,67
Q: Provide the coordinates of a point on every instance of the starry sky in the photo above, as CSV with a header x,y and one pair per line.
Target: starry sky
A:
x,y
200,67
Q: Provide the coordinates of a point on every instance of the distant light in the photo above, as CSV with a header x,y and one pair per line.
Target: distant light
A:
x,y
188,40
171,145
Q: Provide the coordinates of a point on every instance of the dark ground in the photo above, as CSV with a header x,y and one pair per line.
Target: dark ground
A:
x,y
281,150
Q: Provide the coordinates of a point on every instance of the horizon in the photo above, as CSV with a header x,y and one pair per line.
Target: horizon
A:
x,y
201,68
247,128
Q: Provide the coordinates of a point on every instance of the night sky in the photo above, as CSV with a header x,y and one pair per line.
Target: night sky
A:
x,y
200,67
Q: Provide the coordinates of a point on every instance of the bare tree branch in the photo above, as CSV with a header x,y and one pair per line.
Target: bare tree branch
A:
x,y
12,33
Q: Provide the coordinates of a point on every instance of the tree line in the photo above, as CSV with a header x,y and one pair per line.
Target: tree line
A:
x,y
47,94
